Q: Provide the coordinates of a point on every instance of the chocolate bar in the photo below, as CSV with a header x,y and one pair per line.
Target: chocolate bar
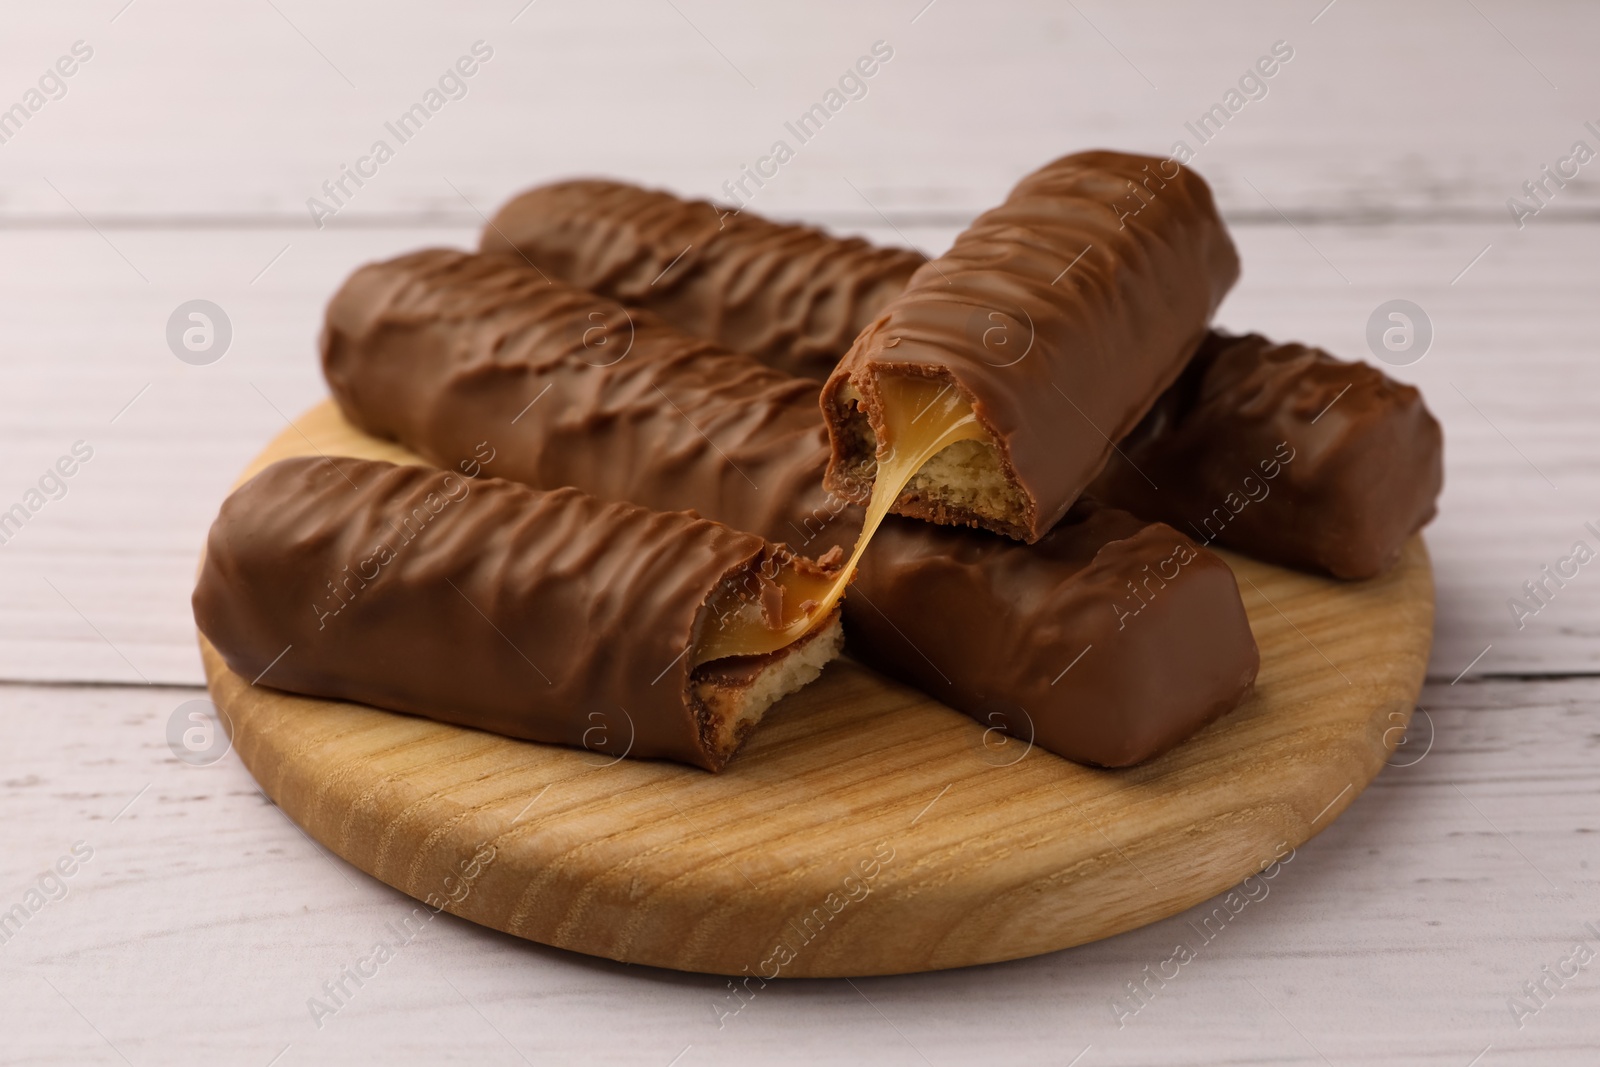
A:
x,y
1377,466
1041,338
792,296
550,616
442,350
458,355
1291,437
1108,641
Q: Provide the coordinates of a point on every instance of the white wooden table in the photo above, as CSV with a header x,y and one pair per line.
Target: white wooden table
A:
x,y
177,165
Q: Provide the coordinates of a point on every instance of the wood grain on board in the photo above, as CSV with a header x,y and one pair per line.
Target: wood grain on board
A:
x,y
903,831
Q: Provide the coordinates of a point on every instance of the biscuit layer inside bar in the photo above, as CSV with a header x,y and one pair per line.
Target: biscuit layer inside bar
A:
x,y
733,693
965,485
921,417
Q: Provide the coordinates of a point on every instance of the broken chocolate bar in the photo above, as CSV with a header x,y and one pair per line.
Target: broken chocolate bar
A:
x,y
1042,337
456,355
550,616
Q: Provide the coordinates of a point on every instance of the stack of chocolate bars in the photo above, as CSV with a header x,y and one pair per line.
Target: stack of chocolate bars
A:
x,y
683,456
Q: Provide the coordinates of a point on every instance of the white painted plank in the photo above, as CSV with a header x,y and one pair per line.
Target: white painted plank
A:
x,y
121,546
194,108
204,921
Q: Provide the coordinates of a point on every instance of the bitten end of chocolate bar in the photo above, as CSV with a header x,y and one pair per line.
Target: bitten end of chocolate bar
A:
x,y
731,695
419,591
967,483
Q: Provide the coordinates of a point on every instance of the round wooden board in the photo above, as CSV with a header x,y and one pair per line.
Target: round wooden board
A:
x,y
865,829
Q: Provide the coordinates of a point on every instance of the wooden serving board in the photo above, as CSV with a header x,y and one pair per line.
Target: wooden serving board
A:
x,y
865,829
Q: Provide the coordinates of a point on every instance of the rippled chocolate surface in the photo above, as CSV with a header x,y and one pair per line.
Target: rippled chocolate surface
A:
x,y
444,351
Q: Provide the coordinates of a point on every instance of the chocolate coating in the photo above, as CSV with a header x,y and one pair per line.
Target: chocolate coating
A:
x,y
1130,655
1309,461
1060,315
446,351
792,296
1378,463
550,616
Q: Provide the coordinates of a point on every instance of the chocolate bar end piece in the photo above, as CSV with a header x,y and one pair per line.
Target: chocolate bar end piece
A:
x,y
731,695
1161,643
1055,320
547,616
1304,460
968,483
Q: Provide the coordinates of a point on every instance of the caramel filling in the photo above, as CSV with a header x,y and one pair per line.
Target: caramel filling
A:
x,y
920,418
